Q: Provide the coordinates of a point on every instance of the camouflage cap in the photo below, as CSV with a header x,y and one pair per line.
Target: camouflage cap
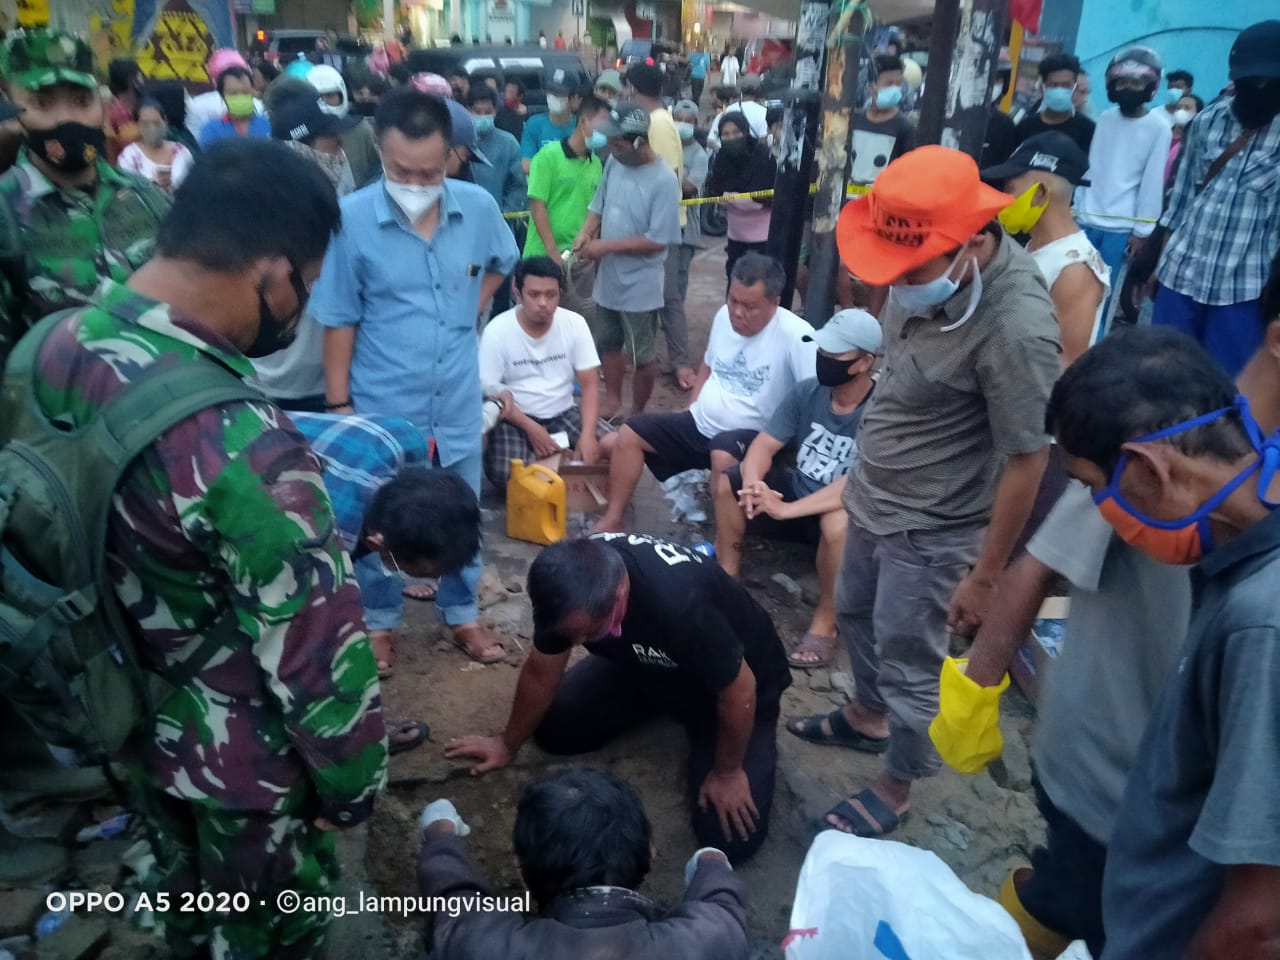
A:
x,y
35,59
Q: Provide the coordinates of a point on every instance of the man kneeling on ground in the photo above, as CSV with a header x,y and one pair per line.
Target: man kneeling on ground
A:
x,y
755,354
535,352
584,846
670,633
819,419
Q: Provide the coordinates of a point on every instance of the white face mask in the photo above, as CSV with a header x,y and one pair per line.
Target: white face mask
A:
x,y
556,104
1182,117
918,297
414,200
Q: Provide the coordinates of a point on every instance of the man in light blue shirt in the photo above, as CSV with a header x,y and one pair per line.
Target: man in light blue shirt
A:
x,y
401,288
504,178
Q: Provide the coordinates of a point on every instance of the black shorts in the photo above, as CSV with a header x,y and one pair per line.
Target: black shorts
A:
x,y
678,446
800,530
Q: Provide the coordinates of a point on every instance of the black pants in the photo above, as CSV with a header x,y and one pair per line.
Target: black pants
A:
x,y
598,700
734,250
1065,892
697,84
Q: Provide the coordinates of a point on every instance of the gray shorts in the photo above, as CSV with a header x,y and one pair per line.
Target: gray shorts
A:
x,y
633,330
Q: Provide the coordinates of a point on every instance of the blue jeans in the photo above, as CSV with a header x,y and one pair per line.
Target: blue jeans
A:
x,y
1231,332
456,595
1111,245
381,593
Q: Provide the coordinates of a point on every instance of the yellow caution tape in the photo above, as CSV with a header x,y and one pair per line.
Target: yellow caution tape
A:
x,y
853,190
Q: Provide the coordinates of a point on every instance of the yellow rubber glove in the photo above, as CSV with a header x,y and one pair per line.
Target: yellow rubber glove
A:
x,y
966,730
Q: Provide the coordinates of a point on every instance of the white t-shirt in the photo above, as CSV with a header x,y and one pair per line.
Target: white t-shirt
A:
x,y
1074,248
539,372
729,70
1126,171
133,160
751,375
757,119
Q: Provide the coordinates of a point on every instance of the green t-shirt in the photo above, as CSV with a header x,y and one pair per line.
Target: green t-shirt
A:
x,y
566,184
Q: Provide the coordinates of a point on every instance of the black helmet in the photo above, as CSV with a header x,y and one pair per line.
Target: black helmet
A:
x,y
1141,63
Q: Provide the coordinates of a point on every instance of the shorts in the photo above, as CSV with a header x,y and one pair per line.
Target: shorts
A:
x,y
800,530
634,330
678,446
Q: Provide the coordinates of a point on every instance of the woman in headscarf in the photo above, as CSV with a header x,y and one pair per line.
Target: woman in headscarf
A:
x,y
743,164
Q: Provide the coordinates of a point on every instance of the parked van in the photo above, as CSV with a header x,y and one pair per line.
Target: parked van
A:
x,y
530,65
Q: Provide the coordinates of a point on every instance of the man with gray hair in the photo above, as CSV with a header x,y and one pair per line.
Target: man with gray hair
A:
x,y
756,353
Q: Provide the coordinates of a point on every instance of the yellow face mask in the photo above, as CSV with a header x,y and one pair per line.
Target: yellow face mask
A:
x,y
1021,215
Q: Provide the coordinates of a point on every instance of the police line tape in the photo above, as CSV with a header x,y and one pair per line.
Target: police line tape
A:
x,y
853,190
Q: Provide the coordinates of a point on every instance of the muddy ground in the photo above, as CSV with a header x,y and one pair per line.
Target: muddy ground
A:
x,y
981,826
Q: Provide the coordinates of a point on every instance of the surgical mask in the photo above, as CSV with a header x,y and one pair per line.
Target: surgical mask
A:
x,y
1187,540
1023,214
414,200
239,105
275,334
1058,99
597,141
70,146
1182,117
918,297
888,97
832,371
1173,94
556,104
686,130
483,125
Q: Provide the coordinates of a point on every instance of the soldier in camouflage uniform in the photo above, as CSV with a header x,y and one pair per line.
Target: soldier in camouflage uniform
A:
x,y
68,219
280,738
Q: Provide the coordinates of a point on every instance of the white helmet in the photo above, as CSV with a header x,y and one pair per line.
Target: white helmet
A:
x,y
326,79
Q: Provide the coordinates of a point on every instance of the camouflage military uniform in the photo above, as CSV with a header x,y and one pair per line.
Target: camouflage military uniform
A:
x,y
73,239
228,508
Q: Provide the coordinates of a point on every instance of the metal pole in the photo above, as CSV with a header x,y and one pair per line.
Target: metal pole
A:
x,y
799,141
973,71
946,24
839,102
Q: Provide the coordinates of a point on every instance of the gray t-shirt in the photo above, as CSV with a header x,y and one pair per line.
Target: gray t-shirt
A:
x,y
1205,789
952,404
826,442
1128,622
635,202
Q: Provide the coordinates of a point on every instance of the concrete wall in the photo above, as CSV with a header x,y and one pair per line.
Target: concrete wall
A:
x,y
1188,34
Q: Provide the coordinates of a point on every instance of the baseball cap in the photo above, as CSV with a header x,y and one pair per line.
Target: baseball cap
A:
x,y
848,330
925,203
299,117
1256,52
464,131
35,59
561,83
626,120
646,79
610,80
223,59
1052,152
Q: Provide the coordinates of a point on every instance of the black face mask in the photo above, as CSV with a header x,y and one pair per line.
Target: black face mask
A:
x,y
364,108
274,335
1129,101
1256,103
834,372
69,146
735,148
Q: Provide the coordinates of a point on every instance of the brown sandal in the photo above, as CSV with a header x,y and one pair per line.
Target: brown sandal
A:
x,y
813,645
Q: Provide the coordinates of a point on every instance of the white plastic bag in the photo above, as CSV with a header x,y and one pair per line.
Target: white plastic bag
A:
x,y
861,899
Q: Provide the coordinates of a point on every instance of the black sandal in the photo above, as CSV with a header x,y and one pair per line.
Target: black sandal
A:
x,y
402,728
880,819
842,734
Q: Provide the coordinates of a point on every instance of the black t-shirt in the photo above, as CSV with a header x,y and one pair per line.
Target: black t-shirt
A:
x,y
876,144
1001,139
685,614
1079,128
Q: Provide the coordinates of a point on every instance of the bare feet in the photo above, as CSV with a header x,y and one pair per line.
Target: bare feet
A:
x,y
478,642
607,524
685,378
380,641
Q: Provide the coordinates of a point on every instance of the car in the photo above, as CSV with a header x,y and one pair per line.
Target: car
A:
x,y
282,47
644,51
530,65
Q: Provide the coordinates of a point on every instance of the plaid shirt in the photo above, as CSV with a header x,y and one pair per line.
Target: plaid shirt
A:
x,y
360,454
1223,236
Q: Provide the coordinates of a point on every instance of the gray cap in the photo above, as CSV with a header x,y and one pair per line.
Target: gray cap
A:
x,y
626,120
849,330
685,106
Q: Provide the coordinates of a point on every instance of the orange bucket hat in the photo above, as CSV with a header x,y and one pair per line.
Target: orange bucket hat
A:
x,y
923,204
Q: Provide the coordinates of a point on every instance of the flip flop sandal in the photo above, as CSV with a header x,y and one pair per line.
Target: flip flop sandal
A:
x,y
397,731
813,643
490,658
842,734
422,592
883,819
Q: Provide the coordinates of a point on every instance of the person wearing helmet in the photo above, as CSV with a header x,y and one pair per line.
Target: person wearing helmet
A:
x,y
358,142
1119,208
1222,225
209,105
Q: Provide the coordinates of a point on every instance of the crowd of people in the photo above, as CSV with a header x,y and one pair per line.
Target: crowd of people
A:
x,y
304,317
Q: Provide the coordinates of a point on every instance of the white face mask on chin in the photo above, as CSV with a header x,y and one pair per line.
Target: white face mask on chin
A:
x,y
414,200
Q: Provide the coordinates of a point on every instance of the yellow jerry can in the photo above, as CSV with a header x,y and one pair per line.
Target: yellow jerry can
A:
x,y
535,503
